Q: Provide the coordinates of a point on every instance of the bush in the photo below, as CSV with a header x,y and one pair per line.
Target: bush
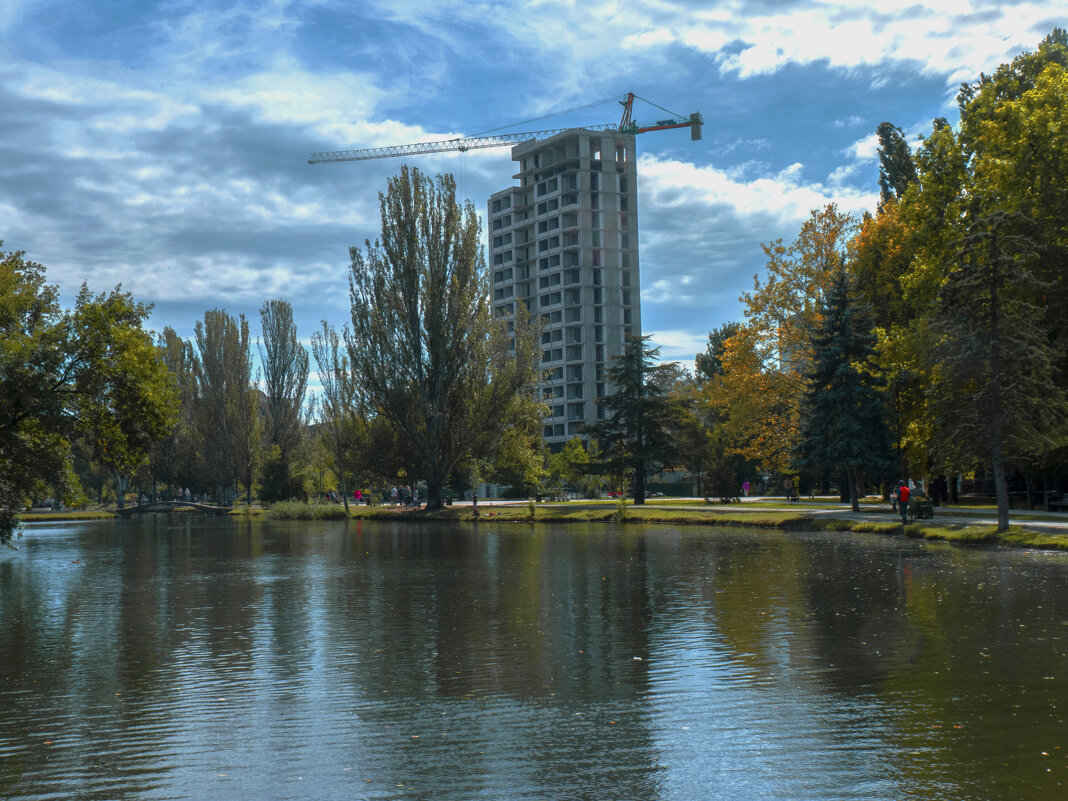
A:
x,y
295,510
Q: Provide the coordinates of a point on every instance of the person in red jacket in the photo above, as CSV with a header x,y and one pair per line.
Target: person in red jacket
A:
x,y
902,497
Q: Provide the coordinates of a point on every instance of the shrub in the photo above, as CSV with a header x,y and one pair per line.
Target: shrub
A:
x,y
295,510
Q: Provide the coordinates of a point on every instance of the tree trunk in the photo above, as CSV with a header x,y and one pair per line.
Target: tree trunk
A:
x,y
1001,488
639,483
120,490
854,500
433,493
341,480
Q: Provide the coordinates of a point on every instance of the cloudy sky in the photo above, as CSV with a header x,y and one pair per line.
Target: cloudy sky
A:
x,y
164,145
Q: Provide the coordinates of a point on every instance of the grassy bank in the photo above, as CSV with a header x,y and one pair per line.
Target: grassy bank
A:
x,y
1016,536
85,514
750,516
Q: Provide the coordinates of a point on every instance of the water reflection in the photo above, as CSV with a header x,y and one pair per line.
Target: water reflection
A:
x,y
187,658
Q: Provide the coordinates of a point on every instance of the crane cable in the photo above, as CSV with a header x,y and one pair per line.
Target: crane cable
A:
x,y
618,98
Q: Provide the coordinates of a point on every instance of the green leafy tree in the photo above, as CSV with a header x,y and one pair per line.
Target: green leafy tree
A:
x,y
285,381
226,401
426,351
343,428
90,374
174,458
709,364
639,412
130,402
567,467
996,400
843,418
897,171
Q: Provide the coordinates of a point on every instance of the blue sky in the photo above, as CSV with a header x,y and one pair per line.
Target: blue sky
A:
x,y
163,145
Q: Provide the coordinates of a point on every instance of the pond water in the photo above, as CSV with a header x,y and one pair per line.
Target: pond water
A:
x,y
194,658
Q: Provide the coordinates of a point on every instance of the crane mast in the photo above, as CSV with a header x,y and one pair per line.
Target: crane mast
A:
x,y
465,143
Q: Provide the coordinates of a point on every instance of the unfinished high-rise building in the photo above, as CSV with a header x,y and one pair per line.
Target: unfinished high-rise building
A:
x,y
564,243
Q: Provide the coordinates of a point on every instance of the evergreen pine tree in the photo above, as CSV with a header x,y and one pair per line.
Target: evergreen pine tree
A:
x,y
843,420
638,414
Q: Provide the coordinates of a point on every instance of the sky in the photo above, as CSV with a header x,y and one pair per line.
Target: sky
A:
x,y
163,146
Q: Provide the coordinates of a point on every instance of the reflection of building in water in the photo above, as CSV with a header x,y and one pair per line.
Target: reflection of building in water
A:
x,y
564,243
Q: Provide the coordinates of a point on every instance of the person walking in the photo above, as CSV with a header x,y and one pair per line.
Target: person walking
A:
x,y
901,495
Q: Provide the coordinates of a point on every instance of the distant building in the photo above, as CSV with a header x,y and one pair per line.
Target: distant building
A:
x,y
565,243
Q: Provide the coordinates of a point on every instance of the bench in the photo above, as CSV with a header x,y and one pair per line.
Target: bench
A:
x,y
1059,506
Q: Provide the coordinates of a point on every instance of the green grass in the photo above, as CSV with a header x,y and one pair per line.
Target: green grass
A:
x,y
32,517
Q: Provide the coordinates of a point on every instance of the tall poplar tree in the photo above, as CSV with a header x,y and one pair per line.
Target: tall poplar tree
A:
x,y
225,417
340,423
285,381
427,354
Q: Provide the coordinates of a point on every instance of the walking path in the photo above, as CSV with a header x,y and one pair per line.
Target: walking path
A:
x,y
1034,520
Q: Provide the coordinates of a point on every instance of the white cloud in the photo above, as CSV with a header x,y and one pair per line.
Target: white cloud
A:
x,y
956,38
866,149
678,345
669,183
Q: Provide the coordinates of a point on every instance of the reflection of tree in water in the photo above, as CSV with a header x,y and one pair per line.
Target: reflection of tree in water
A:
x,y
503,662
487,651
947,652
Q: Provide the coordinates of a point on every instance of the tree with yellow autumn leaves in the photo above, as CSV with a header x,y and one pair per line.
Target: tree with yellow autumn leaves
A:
x,y
963,273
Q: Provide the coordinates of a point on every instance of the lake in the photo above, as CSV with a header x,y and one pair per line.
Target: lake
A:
x,y
187,657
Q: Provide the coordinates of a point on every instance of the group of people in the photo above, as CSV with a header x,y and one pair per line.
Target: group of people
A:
x,y
405,496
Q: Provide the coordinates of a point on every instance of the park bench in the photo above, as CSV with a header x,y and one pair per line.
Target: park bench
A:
x,y
1059,506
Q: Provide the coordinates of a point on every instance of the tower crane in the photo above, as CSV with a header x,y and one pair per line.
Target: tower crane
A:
x,y
464,143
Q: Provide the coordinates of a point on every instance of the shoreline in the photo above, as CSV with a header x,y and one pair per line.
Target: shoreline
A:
x,y
1021,534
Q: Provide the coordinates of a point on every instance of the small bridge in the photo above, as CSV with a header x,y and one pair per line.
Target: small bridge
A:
x,y
165,507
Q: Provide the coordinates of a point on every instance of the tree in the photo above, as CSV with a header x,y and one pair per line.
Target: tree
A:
x,y
843,420
426,351
764,362
285,380
90,373
783,309
639,413
130,402
710,363
995,396
226,400
343,428
896,168
174,458
757,402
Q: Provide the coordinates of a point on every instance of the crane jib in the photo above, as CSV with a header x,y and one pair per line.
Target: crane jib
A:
x,y
464,143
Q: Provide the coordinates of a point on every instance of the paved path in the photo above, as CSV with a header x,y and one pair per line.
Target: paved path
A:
x,y
1046,522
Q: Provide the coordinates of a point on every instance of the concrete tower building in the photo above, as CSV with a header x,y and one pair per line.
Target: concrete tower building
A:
x,y
564,242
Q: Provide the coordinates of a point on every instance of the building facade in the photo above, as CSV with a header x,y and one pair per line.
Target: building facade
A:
x,y
563,244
